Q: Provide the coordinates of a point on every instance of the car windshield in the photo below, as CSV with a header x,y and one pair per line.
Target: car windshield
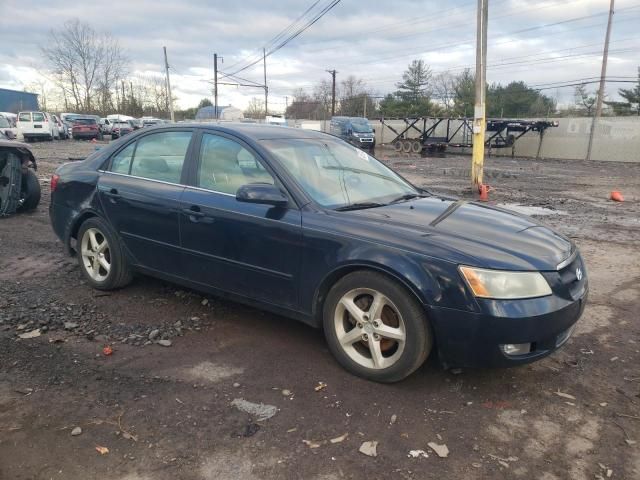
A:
x,y
336,175
361,126
84,121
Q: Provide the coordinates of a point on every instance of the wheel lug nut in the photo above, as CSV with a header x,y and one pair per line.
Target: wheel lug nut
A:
x,y
375,324
360,325
365,337
376,336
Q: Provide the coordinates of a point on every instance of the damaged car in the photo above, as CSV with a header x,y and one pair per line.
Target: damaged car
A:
x,y
303,224
19,185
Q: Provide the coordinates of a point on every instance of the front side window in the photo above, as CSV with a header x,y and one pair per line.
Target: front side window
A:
x,y
157,157
225,166
335,174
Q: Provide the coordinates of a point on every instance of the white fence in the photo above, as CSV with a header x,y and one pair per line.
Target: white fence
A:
x,y
616,139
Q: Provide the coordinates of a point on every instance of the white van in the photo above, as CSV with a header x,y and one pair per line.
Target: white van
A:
x,y
40,125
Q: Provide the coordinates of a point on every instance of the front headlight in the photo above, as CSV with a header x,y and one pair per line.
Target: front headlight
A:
x,y
505,285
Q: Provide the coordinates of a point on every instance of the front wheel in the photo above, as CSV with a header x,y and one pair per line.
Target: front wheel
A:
x,y
101,256
375,328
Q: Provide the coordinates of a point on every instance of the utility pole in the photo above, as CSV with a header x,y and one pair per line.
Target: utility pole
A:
x,y
333,91
266,89
215,84
286,103
603,74
479,116
169,99
365,106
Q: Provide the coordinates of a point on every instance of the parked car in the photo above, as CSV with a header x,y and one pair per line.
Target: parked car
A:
x,y
150,121
105,126
19,185
303,224
120,129
86,128
62,129
6,127
36,125
355,130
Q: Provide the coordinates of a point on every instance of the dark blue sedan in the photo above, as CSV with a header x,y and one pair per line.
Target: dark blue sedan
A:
x,y
305,225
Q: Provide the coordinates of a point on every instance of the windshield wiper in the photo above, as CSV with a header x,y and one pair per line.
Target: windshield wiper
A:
x,y
407,196
359,206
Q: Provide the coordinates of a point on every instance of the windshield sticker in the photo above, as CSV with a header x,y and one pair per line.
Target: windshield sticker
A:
x,y
362,155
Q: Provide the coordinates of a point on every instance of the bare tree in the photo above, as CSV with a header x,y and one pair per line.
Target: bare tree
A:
x,y
444,88
584,99
255,109
86,65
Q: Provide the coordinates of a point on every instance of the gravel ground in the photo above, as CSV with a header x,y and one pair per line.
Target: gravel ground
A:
x,y
199,388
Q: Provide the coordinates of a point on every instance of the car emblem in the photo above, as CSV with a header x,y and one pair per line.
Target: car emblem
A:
x,y
579,273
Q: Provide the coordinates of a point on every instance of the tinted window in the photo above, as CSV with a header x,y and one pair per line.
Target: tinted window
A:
x,y
226,165
160,156
121,163
84,121
24,117
38,117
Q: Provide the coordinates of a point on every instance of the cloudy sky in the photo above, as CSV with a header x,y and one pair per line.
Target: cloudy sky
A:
x,y
541,42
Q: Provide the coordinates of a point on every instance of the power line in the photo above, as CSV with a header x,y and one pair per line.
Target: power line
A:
x,y
317,16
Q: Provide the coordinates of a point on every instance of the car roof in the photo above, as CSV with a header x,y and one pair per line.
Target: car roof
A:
x,y
253,131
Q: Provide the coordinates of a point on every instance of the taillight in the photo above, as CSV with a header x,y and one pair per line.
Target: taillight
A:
x,y
54,182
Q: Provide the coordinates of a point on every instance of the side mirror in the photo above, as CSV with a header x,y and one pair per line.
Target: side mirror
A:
x,y
262,193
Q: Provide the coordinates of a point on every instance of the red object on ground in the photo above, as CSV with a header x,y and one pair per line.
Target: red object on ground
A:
x,y
616,196
484,193
93,140
107,350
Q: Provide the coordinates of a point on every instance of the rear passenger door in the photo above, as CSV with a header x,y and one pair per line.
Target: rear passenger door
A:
x,y
140,194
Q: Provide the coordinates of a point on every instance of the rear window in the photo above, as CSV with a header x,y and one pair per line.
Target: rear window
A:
x,y
38,116
84,121
24,117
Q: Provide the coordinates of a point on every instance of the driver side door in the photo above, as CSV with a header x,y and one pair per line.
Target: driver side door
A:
x,y
248,249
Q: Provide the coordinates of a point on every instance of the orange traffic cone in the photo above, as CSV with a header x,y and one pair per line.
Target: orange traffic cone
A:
x,y
484,193
616,196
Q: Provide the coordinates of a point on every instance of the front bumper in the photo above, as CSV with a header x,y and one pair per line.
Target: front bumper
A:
x,y
468,339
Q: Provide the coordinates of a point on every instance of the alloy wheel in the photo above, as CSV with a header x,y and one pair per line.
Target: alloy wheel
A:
x,y
96,255
369,328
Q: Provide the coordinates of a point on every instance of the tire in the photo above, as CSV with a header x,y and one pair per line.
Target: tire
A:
x,y
401,316
398,146
406,146
10,181
92,266
30,192
416,147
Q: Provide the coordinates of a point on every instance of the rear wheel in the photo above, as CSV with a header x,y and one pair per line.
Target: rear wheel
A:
x,y
30,194
375,328
101,256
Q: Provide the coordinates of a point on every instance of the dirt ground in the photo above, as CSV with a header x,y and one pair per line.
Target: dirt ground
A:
x,y
166,412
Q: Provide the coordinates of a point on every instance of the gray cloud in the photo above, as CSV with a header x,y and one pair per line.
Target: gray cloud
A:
x,y
374,40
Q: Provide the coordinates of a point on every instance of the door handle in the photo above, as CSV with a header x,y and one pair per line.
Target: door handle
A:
x,y
113,195
193,212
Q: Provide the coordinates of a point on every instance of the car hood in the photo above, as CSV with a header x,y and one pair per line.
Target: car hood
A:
x,y
462,232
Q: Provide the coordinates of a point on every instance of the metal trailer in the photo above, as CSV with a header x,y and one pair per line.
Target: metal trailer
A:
x,y
501,133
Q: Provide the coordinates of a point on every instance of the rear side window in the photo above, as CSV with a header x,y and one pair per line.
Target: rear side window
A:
x,y
38,117
121,163
24,117
161,156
